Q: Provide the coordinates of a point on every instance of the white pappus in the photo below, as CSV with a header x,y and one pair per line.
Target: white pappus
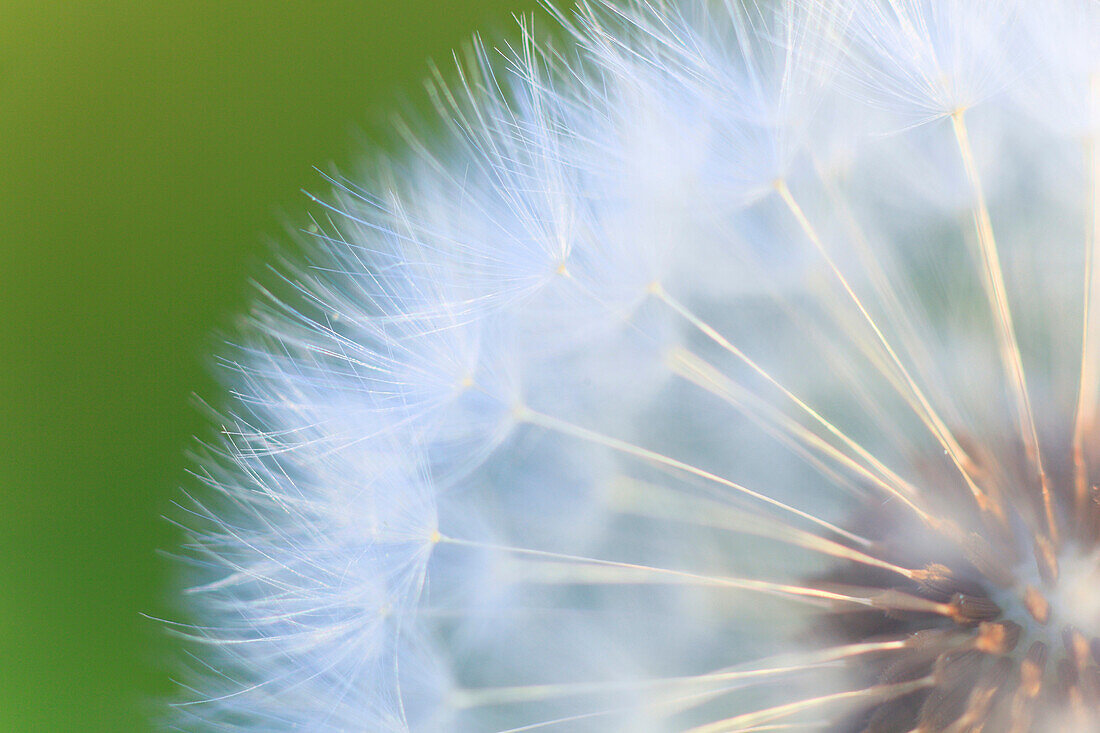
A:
x,y
721,366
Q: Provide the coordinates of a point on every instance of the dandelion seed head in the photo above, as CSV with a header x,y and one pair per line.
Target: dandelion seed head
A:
x,y
664,391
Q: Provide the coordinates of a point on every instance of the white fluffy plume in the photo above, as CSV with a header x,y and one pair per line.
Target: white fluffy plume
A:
x,y
722,366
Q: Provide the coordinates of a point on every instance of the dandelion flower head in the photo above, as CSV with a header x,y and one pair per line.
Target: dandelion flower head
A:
x,y
720,366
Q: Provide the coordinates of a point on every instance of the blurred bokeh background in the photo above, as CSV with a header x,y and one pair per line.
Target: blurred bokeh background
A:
x,y
150,152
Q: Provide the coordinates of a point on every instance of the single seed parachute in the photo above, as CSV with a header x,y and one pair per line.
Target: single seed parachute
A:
x,y
720,367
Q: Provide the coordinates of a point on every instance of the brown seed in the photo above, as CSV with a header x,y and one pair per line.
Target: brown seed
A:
x,y
1077,647
997,638
938,579
972,609
1037,605
1031,669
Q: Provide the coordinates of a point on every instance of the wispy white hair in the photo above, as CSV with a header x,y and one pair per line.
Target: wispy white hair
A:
x,y
695,335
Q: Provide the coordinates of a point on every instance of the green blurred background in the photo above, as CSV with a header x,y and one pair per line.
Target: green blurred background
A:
x,y
149,151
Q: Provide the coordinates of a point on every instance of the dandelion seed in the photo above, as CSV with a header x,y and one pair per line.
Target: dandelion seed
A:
x,y
732,367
